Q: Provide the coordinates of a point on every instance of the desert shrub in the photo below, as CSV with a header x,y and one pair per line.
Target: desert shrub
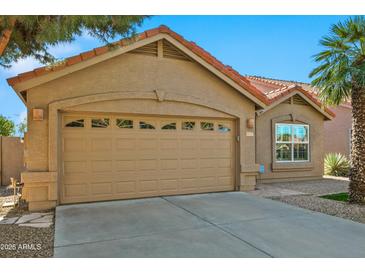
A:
x,y
336,164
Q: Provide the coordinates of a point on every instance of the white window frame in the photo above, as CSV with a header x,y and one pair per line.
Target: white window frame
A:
x,y
292,143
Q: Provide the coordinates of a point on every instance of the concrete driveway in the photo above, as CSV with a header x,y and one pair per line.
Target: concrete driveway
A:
x,y
231,224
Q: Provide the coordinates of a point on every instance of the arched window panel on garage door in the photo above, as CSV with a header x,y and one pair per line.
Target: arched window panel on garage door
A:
x,y
223,128
124,123
188,125
74,122
209,126
146,125
100,122
168,126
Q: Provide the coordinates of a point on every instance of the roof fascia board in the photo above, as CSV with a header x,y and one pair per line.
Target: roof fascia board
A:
x,y
84,64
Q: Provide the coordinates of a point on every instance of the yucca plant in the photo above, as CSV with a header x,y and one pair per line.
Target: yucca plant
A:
x,y
336,164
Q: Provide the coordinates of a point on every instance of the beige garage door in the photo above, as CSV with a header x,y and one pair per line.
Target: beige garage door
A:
x,y
119,156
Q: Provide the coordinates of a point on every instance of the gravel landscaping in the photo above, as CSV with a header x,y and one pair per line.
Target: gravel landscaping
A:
x,y
306,195
24,234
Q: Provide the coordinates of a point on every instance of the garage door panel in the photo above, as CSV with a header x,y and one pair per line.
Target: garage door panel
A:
x,y
101,188
188,163
124,176
169,164
189,144
147,143
148,186
101,166
147,164
77,190
74,144
186,184
118,163
225,181
208,181
126,187
124,165
125,144
74,167
101,144
169,185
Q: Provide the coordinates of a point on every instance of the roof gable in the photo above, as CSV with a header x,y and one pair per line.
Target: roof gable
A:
x,y
185,49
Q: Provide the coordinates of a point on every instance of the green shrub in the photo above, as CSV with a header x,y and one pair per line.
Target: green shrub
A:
x,y
336,164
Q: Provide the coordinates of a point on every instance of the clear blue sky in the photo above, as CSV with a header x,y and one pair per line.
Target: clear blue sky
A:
x,y
272,46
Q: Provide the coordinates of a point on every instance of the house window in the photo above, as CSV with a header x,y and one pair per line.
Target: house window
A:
x,y
100,123
170,126
292,142
76,123
122,123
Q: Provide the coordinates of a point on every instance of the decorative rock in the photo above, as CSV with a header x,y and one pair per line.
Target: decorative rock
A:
x,y
44,219
37,225
8,221
29,217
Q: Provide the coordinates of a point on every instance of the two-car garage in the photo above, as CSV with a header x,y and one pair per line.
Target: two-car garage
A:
x,y
112,156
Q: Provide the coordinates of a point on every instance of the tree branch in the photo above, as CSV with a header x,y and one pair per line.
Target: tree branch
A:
x,y
5,36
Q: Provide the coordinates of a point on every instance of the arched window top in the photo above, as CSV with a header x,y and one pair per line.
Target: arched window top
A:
x,y
76,123
169,126
145,125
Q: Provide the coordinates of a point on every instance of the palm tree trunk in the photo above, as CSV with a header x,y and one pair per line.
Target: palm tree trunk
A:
x,y
357,173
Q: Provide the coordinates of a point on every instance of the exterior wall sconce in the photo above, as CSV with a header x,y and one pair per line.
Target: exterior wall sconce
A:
x,y
250,123
37,114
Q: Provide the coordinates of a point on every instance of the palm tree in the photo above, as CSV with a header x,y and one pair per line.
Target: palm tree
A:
x,y
340,76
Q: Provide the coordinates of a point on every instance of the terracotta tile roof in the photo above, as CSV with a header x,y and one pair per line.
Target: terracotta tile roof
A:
x,y
275,89
265,89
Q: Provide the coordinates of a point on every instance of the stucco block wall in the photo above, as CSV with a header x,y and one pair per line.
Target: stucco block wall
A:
x,y
292,113
140,76
337,132
11,159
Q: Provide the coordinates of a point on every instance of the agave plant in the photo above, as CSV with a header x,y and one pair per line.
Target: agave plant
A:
x,y
336,164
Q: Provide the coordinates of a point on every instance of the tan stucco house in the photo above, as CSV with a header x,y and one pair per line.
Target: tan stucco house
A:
x,y
158,115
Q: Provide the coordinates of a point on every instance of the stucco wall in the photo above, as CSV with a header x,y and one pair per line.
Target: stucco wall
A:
x,y
141,74
11,159
337,131
291,113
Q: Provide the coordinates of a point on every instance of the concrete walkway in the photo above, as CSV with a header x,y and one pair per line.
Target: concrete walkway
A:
x,y
231,224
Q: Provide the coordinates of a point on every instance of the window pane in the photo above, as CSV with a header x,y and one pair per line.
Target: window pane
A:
x,y
170,126
144,125
76,123
301,152
206,126
223,128
283,152
283,133
300,134
188,125
100,123
121,123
